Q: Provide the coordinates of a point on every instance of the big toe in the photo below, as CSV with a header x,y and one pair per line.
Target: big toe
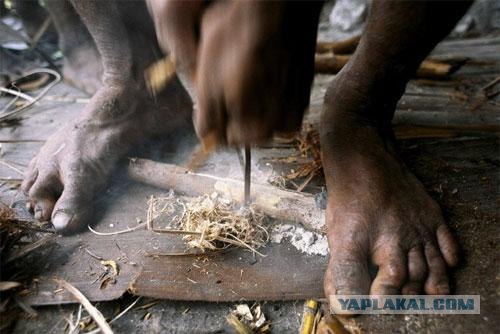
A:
x,y
71,212
347,273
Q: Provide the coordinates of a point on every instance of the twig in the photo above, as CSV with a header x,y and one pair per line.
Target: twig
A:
x,y
3,179
18,94
97,257
15,255
57,76
76,327
117,232
146,306
157,230
93,312
6,164
306,182
26,308
240,243
8,141
118,316
170,254
491,84
43,27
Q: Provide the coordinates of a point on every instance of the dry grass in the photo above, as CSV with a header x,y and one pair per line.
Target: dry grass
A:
x,y
19,238
307,160
210,222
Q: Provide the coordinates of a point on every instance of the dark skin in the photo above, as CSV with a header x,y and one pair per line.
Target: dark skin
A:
x,y
77,160
251,64
378,213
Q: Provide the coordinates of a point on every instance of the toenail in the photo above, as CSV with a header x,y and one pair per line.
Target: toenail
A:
x,y
61,220
349,291
443,290
38,213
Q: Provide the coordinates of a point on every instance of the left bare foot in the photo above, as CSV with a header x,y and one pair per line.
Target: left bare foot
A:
x,y
378,213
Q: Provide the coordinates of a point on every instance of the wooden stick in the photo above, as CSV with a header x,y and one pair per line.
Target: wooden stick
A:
x,y
277,203
346,46
332,64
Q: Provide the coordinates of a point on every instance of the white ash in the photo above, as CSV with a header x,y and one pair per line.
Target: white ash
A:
x,y
308,242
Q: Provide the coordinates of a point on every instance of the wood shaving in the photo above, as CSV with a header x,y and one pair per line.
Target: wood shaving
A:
x,y
210,222
245,319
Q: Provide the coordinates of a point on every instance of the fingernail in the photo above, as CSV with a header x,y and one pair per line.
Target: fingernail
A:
x,y
28,206
61,220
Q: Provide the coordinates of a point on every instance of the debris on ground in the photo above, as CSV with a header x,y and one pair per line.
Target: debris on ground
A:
x,y
307,159
19,238
210,222
316,319
109,274
34,80
93,312
245,319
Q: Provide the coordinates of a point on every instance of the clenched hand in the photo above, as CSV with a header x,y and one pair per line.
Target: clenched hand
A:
x,y
251,63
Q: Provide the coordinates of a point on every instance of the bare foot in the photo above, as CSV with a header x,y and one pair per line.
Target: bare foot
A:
x,y
77,160
378,212
82,68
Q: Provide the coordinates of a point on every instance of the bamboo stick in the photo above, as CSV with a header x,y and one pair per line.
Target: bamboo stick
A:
x,y
332,64
346,46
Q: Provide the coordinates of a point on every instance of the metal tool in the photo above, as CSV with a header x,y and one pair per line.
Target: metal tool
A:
x,y
248,170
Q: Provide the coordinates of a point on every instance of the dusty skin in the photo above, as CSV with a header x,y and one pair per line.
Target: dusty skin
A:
x,y
378,213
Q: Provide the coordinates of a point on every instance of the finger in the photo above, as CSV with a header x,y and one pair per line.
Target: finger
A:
x,y
392,270
210,114
176,25
447,245
417,272
437,280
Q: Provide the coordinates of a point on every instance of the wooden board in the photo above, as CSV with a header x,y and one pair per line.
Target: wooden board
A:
x,y
232,275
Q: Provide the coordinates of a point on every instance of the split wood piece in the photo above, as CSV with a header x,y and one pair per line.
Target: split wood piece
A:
x,y
431,69
276,203
346,46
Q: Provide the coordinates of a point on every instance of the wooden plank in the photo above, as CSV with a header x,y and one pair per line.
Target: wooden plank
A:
x,y
284,274
164,276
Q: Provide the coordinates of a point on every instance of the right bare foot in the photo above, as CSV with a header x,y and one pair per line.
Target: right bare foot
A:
x,y
77,160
